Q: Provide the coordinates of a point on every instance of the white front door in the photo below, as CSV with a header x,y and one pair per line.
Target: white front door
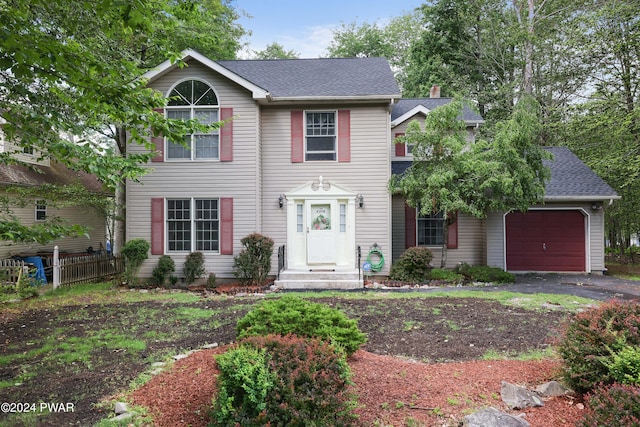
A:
x,y
321,232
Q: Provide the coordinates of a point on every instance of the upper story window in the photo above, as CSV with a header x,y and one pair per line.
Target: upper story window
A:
x,y
321,134
41,210
194,99
430,228
28,150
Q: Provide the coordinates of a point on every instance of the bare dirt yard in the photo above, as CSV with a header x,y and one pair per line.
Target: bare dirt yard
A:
x,y
423,365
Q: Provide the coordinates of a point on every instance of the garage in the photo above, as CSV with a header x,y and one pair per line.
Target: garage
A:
x,y
546,240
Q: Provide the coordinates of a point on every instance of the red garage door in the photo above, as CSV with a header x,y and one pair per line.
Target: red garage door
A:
x,y
545,241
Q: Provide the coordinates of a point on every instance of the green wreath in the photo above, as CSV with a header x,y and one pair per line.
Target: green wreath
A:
x,y
321,222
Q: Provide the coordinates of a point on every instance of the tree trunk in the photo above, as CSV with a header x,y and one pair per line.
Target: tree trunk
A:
x,y
445,238
119,224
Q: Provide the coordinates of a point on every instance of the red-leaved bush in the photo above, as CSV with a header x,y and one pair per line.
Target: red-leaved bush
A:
x,y
590,341
615,405
307,384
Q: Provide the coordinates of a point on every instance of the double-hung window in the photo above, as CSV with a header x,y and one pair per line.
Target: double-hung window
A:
x,y
41,210
320,127
194,99
430,228
193,225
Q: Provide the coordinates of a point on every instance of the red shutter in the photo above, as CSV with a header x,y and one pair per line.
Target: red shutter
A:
x,y
157,226
452,238
400,148
409,226
226,135
226,226
344,136
158,141
297,136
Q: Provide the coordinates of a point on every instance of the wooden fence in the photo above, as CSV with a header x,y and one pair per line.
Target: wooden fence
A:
x,y
9,270
84,269
67,269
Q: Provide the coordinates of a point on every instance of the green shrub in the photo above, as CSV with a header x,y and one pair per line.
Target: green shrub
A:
x,y
591,341
413,265
134,252
624,365
483,273
193,267
293,315
446,275
253,263
243,385
211,281
615,405
165,267
291,381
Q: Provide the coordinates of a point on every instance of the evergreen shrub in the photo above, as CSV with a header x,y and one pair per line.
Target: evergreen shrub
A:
x,y
293,315
414,265
283,380
193,267
135,251
253,263
486,274
165,267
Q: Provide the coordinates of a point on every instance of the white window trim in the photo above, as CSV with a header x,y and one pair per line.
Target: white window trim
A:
x,y
192,219
335,117
41,206
192,108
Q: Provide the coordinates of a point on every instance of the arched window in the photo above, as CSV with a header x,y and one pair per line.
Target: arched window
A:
x,y
194,99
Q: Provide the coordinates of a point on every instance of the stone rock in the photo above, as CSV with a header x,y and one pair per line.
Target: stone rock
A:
x,y
517,397
158,364
122,417
208,346
121,408
491,417
552,389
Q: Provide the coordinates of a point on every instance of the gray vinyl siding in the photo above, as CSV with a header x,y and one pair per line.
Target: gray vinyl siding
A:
x,y
367,173
402,128
595,234
88,217
470,239
239,179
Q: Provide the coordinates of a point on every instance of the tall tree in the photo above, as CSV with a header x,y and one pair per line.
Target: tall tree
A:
x,y
604,129
392,40
73,68
276,51
451,175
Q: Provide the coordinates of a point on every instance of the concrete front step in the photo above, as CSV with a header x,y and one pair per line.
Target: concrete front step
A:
x,y
319,279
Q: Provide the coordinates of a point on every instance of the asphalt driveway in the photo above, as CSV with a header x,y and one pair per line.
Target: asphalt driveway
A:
x,y
597,287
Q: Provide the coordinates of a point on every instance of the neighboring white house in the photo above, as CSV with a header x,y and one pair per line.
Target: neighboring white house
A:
x,y
306,158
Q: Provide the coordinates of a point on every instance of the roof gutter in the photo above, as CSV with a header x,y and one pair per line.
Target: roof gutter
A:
x,y
581,198
327,99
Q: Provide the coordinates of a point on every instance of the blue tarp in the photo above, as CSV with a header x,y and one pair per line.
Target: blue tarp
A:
x,y
40,277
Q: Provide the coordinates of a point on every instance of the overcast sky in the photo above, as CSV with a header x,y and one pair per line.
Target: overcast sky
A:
x,y
306,26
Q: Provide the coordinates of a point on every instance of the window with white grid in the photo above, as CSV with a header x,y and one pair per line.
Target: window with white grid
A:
x,y
193,225
194,99
320,135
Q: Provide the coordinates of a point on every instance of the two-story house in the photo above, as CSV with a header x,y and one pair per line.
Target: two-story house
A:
x,y
304,157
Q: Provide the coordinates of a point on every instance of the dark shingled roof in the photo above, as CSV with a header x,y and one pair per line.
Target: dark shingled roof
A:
x,y
405,105
570,178
322,77
56,174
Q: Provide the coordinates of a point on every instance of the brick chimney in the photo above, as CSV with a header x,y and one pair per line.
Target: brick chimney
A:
x,y
434,92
